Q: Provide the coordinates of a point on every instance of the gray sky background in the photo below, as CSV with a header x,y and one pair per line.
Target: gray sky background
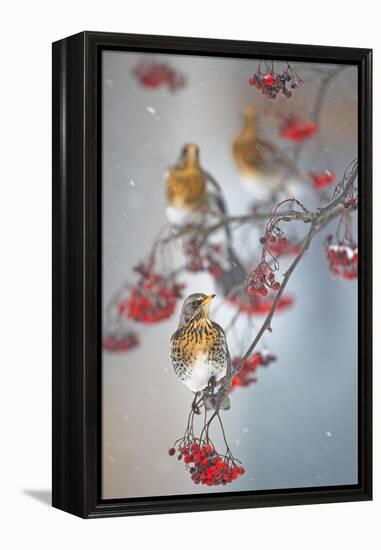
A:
x,y
297,426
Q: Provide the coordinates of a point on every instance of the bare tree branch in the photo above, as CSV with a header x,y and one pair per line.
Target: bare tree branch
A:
x,y
317,220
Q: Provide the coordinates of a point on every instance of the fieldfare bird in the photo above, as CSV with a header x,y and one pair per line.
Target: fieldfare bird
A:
x,y
199,351
195,198
192,193
262,168
186,188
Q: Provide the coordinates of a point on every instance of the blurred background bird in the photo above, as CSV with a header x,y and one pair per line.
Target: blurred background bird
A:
x,y
195,198
192,193
199,351
186,188
264,172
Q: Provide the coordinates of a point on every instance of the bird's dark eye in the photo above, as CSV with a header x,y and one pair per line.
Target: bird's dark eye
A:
x,y
195,303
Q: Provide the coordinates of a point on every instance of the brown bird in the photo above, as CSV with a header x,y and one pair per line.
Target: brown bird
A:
x,y
247,150
263,168
199,351
186,186
195,198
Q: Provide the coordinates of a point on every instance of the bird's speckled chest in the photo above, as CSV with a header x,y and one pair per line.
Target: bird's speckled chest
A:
x,y
198,352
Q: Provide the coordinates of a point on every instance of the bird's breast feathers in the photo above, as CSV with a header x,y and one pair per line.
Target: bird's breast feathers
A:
x,y
199,352
202,371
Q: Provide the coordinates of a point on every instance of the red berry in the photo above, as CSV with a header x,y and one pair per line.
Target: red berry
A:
x,y
276,286
171,451
269,80
196,457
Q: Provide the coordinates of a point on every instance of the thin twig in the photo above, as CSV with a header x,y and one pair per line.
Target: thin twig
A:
x,y
318,220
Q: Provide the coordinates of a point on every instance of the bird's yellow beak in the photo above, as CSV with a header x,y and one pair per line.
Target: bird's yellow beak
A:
x,y
208,299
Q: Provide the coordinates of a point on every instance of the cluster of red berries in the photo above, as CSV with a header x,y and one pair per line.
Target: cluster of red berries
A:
x,y
205,465
272,83
260,280
206,261
275,242
322,180
253,305
282,248
246,375
120,342
343,259
154,75
274,237
350,202
295,129
153,299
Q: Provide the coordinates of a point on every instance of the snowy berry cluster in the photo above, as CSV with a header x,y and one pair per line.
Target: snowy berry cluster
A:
x,y
281,247
273,237
343,259
205,465
295,129
120,342
272,83
351,202
155,75
153,299
260,280
246,375
322,180
206,260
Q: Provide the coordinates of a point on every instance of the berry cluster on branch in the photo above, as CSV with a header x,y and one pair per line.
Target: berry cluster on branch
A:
x,y
271,83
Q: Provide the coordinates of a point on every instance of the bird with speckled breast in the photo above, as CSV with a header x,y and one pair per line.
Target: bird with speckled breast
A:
x,y
199,351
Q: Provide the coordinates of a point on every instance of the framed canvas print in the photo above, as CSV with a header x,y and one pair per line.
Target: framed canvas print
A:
x,y
211,274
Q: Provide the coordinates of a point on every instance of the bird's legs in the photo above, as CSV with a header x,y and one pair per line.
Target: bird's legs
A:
x,y
218,400
199,397
209,399
212,384
195,404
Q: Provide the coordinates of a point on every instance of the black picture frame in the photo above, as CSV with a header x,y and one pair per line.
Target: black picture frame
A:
x,y
77,274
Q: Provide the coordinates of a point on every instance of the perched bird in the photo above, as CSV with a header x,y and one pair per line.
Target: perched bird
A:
x,y
264,171
247,151
186,187
199,351
193,195
195,198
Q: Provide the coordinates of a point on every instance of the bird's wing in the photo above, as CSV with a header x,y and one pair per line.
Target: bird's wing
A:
x,y
225,346
172,344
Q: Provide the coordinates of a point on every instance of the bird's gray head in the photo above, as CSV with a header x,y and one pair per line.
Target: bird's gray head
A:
x,y
194,305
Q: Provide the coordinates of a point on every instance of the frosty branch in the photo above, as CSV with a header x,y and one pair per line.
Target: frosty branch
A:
x,y
317,221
